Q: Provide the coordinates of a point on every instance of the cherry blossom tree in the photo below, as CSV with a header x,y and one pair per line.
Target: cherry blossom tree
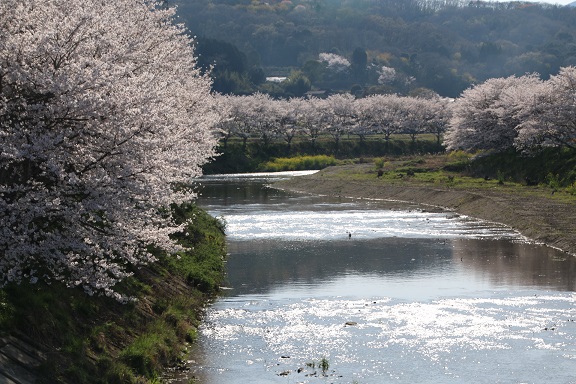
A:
x,y
484,115
102,114
366,122
385,112
227,127
547,113
309,118
413,112
241,117
436,116
386,75
334,62
262,114
339,116
424,115
288,113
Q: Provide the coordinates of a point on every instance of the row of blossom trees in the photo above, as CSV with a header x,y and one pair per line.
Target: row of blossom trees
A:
x,y
524,112
260,116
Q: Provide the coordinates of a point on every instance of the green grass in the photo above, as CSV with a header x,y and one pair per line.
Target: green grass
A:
x,y
201,264
555,167
98,340
298,163
150,351
554,171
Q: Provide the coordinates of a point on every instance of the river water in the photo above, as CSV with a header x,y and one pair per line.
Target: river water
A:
x,y
385,292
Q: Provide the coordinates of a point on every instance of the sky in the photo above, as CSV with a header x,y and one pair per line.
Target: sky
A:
x,y
561,2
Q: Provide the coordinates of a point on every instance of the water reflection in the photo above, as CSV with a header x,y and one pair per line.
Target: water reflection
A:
x,y
264,266
518,264
471,302
324,267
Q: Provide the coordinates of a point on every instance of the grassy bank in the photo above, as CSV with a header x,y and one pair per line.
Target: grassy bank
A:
x,y
543,210
98,340
545,174
235,157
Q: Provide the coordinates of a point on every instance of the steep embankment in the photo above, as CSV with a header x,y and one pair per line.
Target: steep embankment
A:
x,y
533,211
53,334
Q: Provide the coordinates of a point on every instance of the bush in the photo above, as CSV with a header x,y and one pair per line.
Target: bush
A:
x,y
458,161
298,163
379,162
554,166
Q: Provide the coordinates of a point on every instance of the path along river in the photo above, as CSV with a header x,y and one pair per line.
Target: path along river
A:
x,y
384,292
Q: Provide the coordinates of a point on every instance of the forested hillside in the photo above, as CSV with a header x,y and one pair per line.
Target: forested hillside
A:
x,y
376,46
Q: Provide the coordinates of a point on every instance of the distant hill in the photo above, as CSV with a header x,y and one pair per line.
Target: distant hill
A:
x,y
400,45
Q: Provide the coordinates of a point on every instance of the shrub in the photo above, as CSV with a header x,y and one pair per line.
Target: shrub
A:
x,y
298,163
553,181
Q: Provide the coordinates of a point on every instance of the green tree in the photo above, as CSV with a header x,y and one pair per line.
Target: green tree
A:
x,y
314,70
257,75
358,64
220,54
297,84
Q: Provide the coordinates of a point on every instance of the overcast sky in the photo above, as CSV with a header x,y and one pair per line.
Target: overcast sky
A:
x,y
561,2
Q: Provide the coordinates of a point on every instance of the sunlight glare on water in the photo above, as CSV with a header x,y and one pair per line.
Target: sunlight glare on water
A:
x,y
413,296
365,224
425,342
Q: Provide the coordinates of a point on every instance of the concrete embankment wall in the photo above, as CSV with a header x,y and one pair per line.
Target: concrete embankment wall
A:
x,y
18,360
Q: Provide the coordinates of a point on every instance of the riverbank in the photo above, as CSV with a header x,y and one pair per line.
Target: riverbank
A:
x,y
54,334
537,212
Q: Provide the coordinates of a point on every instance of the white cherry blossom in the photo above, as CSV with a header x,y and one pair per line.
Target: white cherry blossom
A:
x,y
102,114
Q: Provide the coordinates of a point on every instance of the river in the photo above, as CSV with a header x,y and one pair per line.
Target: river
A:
x,y
383,292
